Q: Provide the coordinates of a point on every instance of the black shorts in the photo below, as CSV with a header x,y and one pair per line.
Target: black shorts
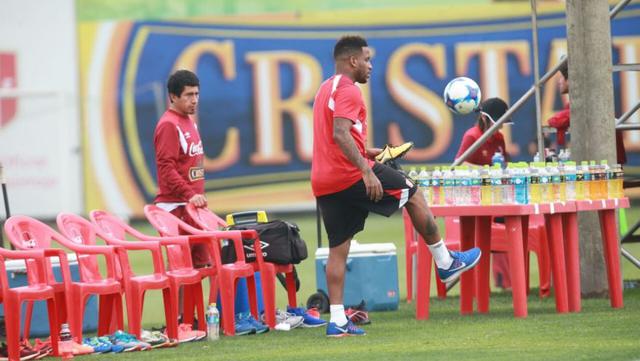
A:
x,y
344,212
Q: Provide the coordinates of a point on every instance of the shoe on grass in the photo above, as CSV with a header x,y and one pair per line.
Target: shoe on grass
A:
x,y
257,325
309,320
349,329
462,261
390,152
243,326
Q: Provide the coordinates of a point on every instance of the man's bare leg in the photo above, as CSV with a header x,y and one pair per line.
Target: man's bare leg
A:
x,y
336,266
450,266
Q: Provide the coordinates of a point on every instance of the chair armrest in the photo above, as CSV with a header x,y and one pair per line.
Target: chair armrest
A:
x,y
152,246
64,263
108,252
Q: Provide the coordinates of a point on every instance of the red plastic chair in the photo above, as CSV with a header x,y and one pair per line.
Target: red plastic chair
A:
x,y
37,289
81,240
180,274
227,274
209,221
26,233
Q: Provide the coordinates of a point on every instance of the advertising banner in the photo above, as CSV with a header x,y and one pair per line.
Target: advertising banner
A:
x,y
39,119
257,89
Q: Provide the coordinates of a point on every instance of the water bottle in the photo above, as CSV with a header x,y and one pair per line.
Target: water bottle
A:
x,y
604,171
413,174
461,184
535,191
498,158
563,156
594,184
485,186
448,185
545,184
570,176
507,187
65,346
580,185
588,178
436,187
474,188
496,184
618,173
422,179
213,322
556,182
519,180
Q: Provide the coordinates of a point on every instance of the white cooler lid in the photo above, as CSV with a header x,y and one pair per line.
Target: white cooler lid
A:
x,y
362,249
18,264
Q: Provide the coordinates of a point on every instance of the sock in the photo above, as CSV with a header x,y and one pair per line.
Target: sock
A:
x,y
441,254
337,315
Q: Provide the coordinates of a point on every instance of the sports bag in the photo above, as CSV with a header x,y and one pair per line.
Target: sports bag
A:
x,y
280,243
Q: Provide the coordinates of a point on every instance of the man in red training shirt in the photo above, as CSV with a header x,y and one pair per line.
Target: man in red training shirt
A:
x,y
179,155
561,120
348,183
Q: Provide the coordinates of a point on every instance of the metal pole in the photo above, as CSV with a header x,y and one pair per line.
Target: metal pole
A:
x,y
623,118
6,202
612,13
536,75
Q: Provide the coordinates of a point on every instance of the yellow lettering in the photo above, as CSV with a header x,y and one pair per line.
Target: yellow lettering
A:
x,y
223,51
492,61
422,103
270,107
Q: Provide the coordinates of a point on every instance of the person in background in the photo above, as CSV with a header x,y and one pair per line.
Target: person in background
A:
x,y
489,111
561,120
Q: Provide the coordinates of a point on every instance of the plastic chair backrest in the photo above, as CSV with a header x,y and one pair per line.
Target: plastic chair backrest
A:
x,y
164,222
205,218
81,231
26,233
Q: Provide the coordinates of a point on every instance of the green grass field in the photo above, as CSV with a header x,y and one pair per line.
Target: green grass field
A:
x,y
596,333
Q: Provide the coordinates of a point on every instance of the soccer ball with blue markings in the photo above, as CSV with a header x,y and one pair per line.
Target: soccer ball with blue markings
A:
x,y
462,95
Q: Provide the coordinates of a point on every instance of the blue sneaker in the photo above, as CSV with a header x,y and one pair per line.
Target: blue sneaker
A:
x,y
308,320
462,261
259,326
349,329
243,325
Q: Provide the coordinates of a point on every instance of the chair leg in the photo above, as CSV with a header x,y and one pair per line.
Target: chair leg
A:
x,y
76,318
213,289
54,325
253,297
440,286
199,305
291,289
27,321
187,304
170,299
12,327
227,297
268,278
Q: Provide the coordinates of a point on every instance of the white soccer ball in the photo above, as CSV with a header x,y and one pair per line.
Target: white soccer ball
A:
x,y
462,95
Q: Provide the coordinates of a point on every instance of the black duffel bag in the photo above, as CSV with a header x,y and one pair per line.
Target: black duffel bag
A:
x,y
280,240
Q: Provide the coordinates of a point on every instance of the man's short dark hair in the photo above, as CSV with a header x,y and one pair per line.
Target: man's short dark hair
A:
x,y
180,79
349,45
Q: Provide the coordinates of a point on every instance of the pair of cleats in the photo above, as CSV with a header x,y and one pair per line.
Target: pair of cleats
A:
x,y
310,317
245,324
102,345
391,153
27,351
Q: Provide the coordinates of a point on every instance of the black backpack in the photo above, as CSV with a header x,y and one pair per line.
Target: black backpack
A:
x,y
281,243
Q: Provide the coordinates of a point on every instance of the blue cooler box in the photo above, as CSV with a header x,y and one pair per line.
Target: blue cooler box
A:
x,y
17,275
371,275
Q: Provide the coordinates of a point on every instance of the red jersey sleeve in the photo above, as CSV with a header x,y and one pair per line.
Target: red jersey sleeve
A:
x,y
167,147
561,121
348,102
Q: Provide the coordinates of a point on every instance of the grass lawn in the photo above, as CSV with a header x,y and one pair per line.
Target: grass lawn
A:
x,y
597,333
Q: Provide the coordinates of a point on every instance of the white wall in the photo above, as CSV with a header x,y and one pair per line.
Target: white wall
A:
x,y
40,145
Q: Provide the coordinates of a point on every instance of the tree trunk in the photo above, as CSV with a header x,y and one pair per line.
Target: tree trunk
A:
x,y
592,118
